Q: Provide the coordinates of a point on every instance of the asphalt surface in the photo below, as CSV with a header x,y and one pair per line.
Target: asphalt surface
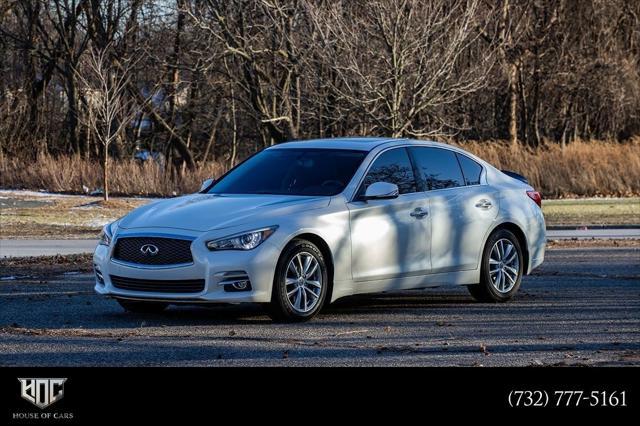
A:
x,y
581,307
21,248
582,233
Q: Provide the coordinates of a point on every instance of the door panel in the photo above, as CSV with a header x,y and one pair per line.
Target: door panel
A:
x,y
460,218
388,238
461,209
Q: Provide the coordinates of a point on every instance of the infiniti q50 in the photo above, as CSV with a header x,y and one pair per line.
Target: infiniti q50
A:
x,y
301,224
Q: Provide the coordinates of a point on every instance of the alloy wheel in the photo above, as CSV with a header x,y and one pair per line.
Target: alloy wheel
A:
x,y
303,282
504,265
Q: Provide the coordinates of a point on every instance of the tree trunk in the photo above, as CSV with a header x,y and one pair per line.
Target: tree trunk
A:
x,y
72,111
105,173
234,140
513,105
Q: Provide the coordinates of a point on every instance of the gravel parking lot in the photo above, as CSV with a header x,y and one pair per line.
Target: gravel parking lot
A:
x,y
581,308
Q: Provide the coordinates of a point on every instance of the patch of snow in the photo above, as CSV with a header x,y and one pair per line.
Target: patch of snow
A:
x,y
28,193
95,223
71,273
7,278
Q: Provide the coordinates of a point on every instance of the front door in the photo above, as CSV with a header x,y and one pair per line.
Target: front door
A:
x,y
390,238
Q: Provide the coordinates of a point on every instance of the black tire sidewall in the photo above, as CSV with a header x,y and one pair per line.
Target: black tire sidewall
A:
x,y
280,306
486,279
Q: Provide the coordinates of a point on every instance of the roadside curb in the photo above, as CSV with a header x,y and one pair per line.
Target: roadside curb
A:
x,y
588,227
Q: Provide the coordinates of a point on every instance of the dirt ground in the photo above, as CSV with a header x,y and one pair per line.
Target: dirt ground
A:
x,y
29,214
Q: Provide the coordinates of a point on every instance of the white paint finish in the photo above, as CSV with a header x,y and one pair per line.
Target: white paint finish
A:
x,y
386,240
459,227
374,246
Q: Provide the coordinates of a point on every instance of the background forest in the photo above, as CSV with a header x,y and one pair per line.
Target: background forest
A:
x,y
156,95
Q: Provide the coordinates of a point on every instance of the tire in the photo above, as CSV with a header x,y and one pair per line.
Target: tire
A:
x,y
299,297
142,307
498,281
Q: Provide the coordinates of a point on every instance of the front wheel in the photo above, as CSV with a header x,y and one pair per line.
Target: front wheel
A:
x,y
502,268
300,284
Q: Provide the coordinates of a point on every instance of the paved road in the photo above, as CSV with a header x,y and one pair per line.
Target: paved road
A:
x,y
18,248
21,248
624,233
581,307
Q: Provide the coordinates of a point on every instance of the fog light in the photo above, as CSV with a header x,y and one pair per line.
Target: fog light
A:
x,y
234,281
240,285
99,277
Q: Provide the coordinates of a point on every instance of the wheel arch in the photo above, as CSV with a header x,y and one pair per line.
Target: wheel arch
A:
x,y
520,235
324,248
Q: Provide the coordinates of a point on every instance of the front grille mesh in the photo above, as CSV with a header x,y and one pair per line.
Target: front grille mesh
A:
x,y
171,251
160,286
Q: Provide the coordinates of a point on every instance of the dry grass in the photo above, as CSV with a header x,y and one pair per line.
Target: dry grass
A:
x,y
60,216
127,177
583,169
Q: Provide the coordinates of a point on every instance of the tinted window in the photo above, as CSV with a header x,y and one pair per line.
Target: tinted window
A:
x,y
437,168
391,166
292,171
470,169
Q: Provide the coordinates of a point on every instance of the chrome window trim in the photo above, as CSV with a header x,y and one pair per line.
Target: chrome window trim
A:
x,y
382,151
483,174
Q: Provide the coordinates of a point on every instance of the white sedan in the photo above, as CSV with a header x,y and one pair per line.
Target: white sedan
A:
x,y
302,224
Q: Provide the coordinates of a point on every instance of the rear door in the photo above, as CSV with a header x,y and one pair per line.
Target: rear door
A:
x,y
461,208
390,238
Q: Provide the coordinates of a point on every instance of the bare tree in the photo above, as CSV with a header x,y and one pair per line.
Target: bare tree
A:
x,y
105,85
402,63
219,79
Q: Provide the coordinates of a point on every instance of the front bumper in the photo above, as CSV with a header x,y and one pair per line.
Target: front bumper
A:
x,y
259,264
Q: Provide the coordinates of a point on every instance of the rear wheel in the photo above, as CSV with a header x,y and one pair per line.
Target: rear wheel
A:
x,y
300,283
502,268
142,307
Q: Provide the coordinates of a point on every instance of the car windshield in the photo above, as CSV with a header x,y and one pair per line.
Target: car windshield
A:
x,y
292,171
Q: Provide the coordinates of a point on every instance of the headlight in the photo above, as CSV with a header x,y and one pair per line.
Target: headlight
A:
x,y
107,233
244,241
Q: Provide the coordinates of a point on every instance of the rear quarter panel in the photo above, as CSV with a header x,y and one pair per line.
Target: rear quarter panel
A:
x,y
516,207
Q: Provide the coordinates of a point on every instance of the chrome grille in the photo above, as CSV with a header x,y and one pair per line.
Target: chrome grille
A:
x,y
170,251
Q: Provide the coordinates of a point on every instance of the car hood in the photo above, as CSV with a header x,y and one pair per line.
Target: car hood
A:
x,y
204,212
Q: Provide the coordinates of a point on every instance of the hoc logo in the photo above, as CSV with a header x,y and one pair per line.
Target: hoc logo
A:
x,y
42,392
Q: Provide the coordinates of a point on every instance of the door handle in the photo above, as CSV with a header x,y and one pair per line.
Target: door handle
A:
x,y
484,204
418,213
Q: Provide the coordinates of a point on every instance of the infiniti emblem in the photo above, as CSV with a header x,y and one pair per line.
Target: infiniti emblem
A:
x,y
149,250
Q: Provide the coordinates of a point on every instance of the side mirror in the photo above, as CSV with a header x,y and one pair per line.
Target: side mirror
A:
x,y
381,191
207,183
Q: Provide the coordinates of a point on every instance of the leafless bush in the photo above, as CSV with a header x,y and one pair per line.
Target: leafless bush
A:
x,y
584,168
74,174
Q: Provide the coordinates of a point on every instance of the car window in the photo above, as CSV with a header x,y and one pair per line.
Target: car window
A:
x,y
437,168
391,166
470,169
292,171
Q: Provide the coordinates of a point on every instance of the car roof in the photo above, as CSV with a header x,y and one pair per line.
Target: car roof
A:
x,y
350,143
366,144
